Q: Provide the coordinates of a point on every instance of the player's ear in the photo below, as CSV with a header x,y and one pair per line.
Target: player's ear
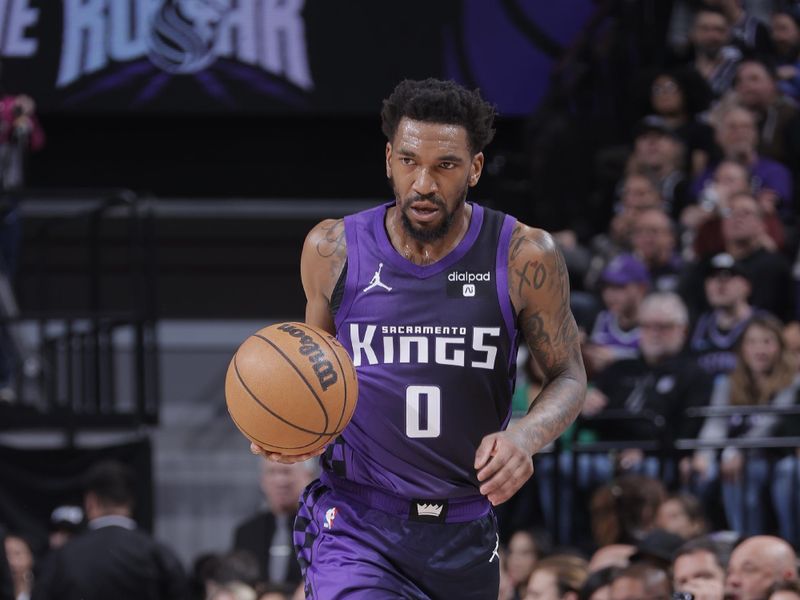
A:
x,y
475,169
388,159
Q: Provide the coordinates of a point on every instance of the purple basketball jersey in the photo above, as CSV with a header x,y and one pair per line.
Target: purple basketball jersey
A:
x,y
435,350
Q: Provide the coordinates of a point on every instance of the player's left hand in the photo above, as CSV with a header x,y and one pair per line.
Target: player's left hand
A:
x,y
504,464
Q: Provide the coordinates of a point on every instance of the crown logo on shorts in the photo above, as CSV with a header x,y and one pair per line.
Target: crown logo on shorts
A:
x,y
429,510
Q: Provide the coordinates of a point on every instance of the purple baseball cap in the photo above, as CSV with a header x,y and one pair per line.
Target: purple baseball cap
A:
x,y
624,269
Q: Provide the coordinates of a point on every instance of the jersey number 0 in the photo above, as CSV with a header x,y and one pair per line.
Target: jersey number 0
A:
x,y
432,397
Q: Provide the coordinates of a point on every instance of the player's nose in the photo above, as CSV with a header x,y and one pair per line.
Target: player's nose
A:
x,y
424,183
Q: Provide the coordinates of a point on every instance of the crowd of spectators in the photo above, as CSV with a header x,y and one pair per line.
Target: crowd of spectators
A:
x,y
683,248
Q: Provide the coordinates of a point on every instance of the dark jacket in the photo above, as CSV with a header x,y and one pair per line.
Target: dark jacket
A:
x,y
255,536
659,394
112,563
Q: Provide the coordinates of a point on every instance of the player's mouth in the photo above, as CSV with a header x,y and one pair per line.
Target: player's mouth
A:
x,y
424,211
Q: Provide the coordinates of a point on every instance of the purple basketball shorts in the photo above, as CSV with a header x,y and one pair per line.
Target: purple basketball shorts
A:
x,y
350,548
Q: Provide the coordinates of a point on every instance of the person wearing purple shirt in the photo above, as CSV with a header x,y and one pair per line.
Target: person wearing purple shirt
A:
x,y
429,294
737,137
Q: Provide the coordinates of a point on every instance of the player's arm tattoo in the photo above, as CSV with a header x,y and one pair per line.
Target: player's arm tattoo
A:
x,y
539,286
332,246
322,261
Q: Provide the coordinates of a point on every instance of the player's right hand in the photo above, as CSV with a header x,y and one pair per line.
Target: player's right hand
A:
x,y
286,459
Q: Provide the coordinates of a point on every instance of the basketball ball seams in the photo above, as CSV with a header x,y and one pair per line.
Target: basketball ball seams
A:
x,y
268,404
303,377
266,444
268,409
341,370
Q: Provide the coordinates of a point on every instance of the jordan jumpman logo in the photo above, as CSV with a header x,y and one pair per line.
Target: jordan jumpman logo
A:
x,y
496,548
376,281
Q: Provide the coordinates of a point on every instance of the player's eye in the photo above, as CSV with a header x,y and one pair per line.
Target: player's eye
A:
x,y
447,165
405,160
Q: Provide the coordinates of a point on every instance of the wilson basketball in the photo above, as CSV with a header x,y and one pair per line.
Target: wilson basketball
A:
x,y
291,388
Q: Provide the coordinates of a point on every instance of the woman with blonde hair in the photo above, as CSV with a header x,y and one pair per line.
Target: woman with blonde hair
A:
x,y
557,577
763,376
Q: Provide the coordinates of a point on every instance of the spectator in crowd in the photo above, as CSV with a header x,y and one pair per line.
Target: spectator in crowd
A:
x,y
235,590
637,193
522,557
610,556
641,581
682,514
598,584
763,376
639,398
737,136
785,25
273,591
237,566
657,547
623,512
654,243
743,231
615,333
747,32
703,221
506,589
200,580
679,97
20,559
791,338
717,332
652,390
756,88
113,558
267,535
6,580
784,590
65,522
557,577
698,569
659,154
758,563
711,51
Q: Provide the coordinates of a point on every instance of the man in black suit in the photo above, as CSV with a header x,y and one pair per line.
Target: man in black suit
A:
x,y
268,534
112,559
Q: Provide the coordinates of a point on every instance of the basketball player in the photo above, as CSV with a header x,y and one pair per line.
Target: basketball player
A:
x,y
429,293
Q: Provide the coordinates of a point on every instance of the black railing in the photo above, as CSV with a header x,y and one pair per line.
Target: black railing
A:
x,y
92,365
664,448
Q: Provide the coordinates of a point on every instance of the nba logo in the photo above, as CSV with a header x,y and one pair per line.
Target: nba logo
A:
x,y
330,515
469,290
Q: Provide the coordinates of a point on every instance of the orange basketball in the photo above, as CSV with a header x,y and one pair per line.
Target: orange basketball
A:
x,y
291,388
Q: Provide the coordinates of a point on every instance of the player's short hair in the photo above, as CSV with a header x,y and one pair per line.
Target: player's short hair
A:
x,y
112,482
437,101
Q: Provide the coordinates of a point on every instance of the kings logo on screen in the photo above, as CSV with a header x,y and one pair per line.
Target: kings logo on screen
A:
x,y
264,39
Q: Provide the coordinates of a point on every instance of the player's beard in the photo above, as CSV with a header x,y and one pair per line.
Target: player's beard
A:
x,y
422,234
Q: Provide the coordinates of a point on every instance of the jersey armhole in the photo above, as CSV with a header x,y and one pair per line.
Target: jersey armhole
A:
x,y
352,267
501,267
338,291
